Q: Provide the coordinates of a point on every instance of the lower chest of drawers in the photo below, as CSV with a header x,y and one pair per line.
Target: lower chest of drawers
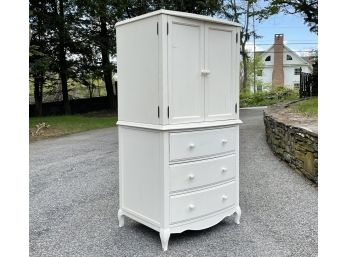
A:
x,y
174,181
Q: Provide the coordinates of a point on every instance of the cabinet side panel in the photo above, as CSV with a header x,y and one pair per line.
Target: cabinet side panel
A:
x,y
141,180
138,71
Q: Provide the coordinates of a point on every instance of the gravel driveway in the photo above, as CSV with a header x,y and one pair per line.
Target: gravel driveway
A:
x,y
74,202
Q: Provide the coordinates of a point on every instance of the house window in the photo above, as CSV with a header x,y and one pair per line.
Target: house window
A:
x,y
268,58
288,57
296,85
259,73
297,71
259,88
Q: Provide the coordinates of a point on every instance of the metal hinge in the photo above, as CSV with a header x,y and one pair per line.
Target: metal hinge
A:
x,y
167,28
235,108
168,112
158,111
237,37
157,28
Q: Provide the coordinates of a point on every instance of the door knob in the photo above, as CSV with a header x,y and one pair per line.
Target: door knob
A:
x,y
191,207
192,145
224,197
191,176
205,72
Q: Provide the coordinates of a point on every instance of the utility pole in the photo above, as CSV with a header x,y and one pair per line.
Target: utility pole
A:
x,y
254,49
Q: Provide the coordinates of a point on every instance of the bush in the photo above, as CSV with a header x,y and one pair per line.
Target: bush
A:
x,y
263,98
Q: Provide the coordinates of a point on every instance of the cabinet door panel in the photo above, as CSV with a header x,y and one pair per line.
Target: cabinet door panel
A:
x,y
185,62
220,95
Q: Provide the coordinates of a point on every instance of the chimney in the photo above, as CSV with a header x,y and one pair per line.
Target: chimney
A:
x,y
278,72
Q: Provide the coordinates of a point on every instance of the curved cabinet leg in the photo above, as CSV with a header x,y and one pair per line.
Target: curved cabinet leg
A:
x,y
237,216
120,216
164,234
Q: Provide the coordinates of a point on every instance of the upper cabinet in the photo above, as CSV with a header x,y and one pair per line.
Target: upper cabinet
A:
x,y
177,68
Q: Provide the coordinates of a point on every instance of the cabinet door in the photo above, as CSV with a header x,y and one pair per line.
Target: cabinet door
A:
x,y
185,62
220,67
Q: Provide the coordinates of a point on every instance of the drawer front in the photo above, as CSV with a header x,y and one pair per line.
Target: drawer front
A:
x,y
202,202
199,173
193,144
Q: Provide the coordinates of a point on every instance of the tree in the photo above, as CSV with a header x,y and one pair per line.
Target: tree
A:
x,y
52,21
39,62
307,8
250,71
242,12
97,19
63,37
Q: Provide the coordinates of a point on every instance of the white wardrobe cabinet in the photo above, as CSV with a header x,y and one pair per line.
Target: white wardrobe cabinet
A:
x,y
178,95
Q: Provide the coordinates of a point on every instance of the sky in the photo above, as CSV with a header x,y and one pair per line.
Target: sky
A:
x,y
296,34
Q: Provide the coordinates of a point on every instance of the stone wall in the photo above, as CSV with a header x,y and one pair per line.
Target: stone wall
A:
x,y
295,145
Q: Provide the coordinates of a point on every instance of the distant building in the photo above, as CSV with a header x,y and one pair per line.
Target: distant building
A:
x,y
281,65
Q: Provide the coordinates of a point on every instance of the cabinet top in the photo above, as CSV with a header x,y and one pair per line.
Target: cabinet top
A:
x,y
179,14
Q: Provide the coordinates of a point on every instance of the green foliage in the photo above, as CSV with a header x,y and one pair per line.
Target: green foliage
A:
x,y
307,107
250,73
76,38
265,98
307,8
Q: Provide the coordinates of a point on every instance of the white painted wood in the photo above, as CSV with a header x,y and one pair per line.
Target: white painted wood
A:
x,y
220,97
178,172
201,173
186,145
237,216
164,234
172,127
203,222
138,71
120,216
185,62
179,14
163,72
141,219
140,172
202,202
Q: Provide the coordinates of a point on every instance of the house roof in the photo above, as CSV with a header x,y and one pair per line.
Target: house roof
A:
x,y
288,50
179,14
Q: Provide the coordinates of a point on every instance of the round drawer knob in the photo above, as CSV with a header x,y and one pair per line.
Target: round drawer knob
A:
x,y
224,197
223,170
191,176
191,207
224,141
192,145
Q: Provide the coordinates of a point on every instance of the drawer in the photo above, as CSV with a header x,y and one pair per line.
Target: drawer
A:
x,y
202,202
193,144
199,173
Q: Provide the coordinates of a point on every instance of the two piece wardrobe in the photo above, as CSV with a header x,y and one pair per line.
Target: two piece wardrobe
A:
x,y
178,123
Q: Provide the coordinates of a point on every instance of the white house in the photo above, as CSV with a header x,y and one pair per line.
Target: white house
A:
x,y
281,65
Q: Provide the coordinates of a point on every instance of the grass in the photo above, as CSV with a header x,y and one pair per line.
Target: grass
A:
x,y
68,124
265,98
307,107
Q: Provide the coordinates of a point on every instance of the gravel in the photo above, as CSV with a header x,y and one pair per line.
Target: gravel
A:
x,y
74,203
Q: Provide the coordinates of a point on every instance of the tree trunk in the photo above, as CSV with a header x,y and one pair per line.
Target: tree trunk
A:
x,y
62,59
107,68
38,86
244,40
245,68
